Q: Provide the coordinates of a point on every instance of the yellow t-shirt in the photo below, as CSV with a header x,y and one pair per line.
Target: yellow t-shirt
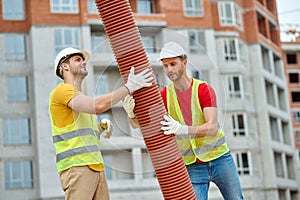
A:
x,y
62,114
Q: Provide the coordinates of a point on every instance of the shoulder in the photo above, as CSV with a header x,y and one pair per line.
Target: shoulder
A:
x,y
205,87
64,92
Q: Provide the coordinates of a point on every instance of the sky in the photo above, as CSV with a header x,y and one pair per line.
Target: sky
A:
x,y
288,16
288,11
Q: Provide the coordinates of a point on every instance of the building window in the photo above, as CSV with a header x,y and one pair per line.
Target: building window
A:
x,y
230,14
149,43
265,54
274,126
13,10
270,93
15,47
231,49
197,41
296,97
64,6
193,7
236,87
18,174
242,159
145,6
66,37
239,124
298,135
97,43
291,58
294,77
92,8
201,75
17,89
279,164
297,116
16,131
100,84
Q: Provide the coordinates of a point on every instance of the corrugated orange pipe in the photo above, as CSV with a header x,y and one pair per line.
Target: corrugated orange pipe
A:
x,y
128,49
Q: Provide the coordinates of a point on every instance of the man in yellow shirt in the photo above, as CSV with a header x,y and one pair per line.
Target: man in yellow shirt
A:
x,y
75,130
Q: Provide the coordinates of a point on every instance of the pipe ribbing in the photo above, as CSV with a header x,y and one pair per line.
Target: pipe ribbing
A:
x,y
128,49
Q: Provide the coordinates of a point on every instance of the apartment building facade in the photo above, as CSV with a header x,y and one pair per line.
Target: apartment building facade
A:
x,y
233,45
291,59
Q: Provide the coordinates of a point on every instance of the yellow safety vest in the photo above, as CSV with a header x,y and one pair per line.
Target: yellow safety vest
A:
x,y
205,148
77,144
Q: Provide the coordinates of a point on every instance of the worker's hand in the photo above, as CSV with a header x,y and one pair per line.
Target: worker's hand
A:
x,y
138,81
128,104
171,126
105,124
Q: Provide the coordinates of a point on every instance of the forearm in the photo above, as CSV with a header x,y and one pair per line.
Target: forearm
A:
x,y
105,102
206,129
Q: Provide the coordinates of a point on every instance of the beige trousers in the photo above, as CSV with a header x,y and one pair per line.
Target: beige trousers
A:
x,y
83,183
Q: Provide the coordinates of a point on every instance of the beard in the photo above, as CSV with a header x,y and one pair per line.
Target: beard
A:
x,y
175,76
80,73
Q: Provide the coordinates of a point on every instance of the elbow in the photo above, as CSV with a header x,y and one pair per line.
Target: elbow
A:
x,y
213,130
99,109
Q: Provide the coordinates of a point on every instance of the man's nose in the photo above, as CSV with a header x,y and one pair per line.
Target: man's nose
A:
x,y
169,68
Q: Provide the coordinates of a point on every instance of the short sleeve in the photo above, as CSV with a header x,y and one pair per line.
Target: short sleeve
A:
x,y
207,96
64,93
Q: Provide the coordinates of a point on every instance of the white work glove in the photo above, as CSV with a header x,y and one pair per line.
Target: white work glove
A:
x,y
171,126
138,81
128,104
105,124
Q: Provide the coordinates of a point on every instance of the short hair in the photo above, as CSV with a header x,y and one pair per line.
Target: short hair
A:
x,y
183,57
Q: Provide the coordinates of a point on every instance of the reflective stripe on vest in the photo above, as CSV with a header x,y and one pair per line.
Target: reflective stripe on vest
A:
x,y
203,149
192,147
76,144
78,150
72,134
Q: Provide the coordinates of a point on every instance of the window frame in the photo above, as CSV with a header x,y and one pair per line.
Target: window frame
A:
x,y
147,7
236,130
240,164
233,92
12,93
234,18
149,39
18,180
61,5
198,43
92,8
228,45
296,114
100,79
7,12
62,34
15,47
97,42
297,136
193,11
21,135
293,76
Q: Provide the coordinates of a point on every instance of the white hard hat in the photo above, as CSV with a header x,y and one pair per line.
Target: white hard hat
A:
x,y
171,50
65,54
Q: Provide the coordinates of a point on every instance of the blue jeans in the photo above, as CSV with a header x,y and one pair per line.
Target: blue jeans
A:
x,y
222,171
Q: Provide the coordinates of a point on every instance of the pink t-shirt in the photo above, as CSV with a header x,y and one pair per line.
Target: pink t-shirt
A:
x,y
206,96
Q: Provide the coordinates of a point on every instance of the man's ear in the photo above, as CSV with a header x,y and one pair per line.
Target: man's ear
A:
x,y
65,66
